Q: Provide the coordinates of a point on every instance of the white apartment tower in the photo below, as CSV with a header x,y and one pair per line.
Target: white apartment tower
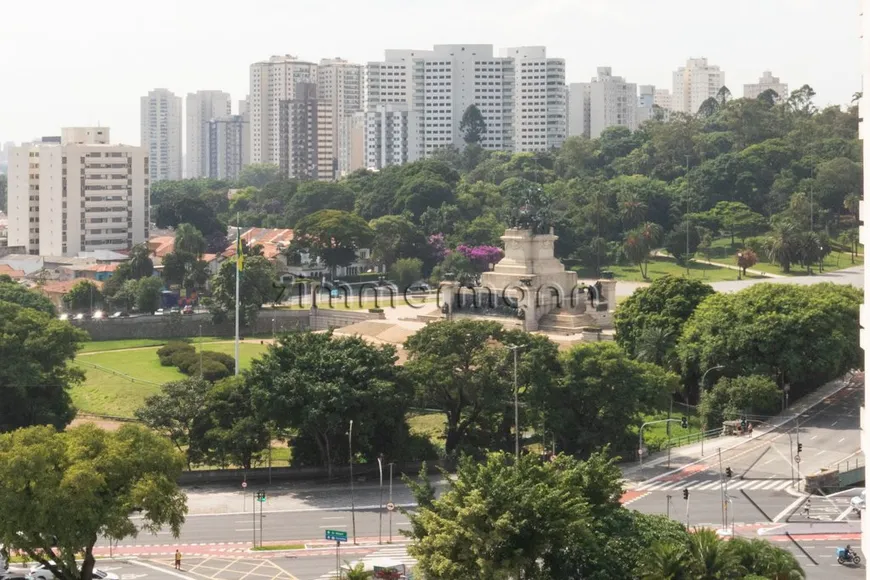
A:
x,y
607,101
865,239
766,82
392,135
341,85
161,134
78,193
695,83
521,95
273,81
663,99
646,99
202,107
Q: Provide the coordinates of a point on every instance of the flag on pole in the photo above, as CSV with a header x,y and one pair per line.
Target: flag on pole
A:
x,y
240,255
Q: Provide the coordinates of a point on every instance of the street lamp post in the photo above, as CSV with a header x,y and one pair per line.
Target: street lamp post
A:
x,y
515,348
704,382
350,453
391,502
200,351
381,505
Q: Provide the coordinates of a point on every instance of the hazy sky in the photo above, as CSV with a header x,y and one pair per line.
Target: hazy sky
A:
x,y
81,63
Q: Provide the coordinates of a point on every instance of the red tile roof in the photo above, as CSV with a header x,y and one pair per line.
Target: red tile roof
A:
x,y
65,286
7,270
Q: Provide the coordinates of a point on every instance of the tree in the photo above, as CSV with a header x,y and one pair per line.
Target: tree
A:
x,y
148,294
35,376
125,298
783,244
256,287
666,304
638,244
140,262
172,412
259,175
732,398
799,335
394,237
227,430
332,236
422,191
84,295
600,394
406,271
316,196
737,219
675,241
315,384
4,202
746,258
472,125
60,492
189,239
15,293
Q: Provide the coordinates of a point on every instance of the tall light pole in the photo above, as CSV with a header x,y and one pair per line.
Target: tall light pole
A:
x,y
381,506
200,351
515,348
703,383
350,453
391,501
687,216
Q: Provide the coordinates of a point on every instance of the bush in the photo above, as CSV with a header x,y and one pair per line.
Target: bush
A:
x,y
221,358
756,244
185,360
166,352
213,370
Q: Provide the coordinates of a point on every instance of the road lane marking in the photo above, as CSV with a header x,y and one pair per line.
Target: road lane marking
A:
x,y
160,569
834,424
334,518
813,437
822,452
792,506
333,526
841,440
246,530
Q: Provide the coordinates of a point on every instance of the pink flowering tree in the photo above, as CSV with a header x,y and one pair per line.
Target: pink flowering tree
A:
x,y
482,257
438,246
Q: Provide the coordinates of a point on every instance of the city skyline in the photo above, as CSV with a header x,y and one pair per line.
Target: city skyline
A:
x,y
742,47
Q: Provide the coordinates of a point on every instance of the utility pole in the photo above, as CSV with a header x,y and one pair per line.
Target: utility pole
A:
x,y
200,351
687,216
391,501
668,498
515,348
350,452
722,487
381,506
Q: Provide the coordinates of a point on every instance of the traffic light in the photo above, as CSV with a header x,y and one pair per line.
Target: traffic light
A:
x,y
728,472
685,494
800,447
684,423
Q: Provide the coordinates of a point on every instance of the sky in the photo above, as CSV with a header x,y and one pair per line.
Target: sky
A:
x,y
88,62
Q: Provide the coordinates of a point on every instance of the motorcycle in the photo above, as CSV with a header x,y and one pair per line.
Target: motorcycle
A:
x,y
850,557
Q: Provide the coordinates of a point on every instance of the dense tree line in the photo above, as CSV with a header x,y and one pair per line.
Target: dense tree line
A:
x,y
784,172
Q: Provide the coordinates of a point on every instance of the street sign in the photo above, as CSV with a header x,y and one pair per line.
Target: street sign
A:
x,y
336,535
797,458
244,484
261,496
391,506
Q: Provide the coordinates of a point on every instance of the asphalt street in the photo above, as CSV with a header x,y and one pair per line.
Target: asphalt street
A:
x,y
824,553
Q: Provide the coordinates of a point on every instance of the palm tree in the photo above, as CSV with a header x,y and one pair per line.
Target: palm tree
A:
x,y
189,239
631,209
639,242
783,244
764,559
667,561
656,345
141,265
709,557
852,203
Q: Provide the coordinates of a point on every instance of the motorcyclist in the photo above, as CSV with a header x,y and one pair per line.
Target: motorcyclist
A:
x,y
849,552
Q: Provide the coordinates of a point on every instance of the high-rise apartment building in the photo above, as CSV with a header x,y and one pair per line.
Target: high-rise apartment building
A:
x,y
604,102
341,85
273,81
227,146
356,151
161,134
663,99
646,99
305,136
392,135
78,193
695,83
202,107
521,95
766,82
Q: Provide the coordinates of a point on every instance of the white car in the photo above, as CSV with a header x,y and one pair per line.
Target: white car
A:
x,y
42,573
859,502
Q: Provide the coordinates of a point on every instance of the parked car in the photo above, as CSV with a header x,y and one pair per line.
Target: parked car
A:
x,y
63,316
119,314
98,315
158,312
187,309
80,316
175,310
859,502
42,573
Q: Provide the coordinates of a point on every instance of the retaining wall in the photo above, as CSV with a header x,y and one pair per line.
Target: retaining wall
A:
x,y
366,472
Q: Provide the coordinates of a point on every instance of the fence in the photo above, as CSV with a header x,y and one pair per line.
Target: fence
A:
x,y
692,438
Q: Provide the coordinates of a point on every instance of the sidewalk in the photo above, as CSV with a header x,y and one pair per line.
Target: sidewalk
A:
x,y
682,458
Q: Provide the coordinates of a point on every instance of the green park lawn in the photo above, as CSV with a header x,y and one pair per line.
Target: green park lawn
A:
x,y
724,251
663,266
655,435
124,378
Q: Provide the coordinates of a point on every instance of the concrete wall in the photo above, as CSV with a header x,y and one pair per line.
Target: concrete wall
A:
x,y
178,326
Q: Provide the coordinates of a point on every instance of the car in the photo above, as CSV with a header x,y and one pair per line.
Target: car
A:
x,y
80,316
859,502
118,314
98,315
158,312
187,309
63,317
175,310
40,572
14,575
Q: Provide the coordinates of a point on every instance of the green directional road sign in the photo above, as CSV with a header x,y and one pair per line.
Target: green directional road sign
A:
x,y
336,535
261,496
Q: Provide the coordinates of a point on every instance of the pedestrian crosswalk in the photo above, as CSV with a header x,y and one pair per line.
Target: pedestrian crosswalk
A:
x,y
393,554
704,484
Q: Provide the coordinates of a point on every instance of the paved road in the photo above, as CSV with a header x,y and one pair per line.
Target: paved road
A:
x,y
824,552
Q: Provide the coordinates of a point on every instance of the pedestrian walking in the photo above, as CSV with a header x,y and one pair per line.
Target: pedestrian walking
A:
x,y
177,560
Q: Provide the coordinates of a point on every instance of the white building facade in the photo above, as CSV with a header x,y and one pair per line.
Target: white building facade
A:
x,y
271,82
107,208
695,83
201,108
161,134
766,82
521,95
606,101
646,100
865,239
392,135
341,84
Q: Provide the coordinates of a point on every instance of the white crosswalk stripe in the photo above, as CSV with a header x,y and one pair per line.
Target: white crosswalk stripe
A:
x,y
707,484
395,553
